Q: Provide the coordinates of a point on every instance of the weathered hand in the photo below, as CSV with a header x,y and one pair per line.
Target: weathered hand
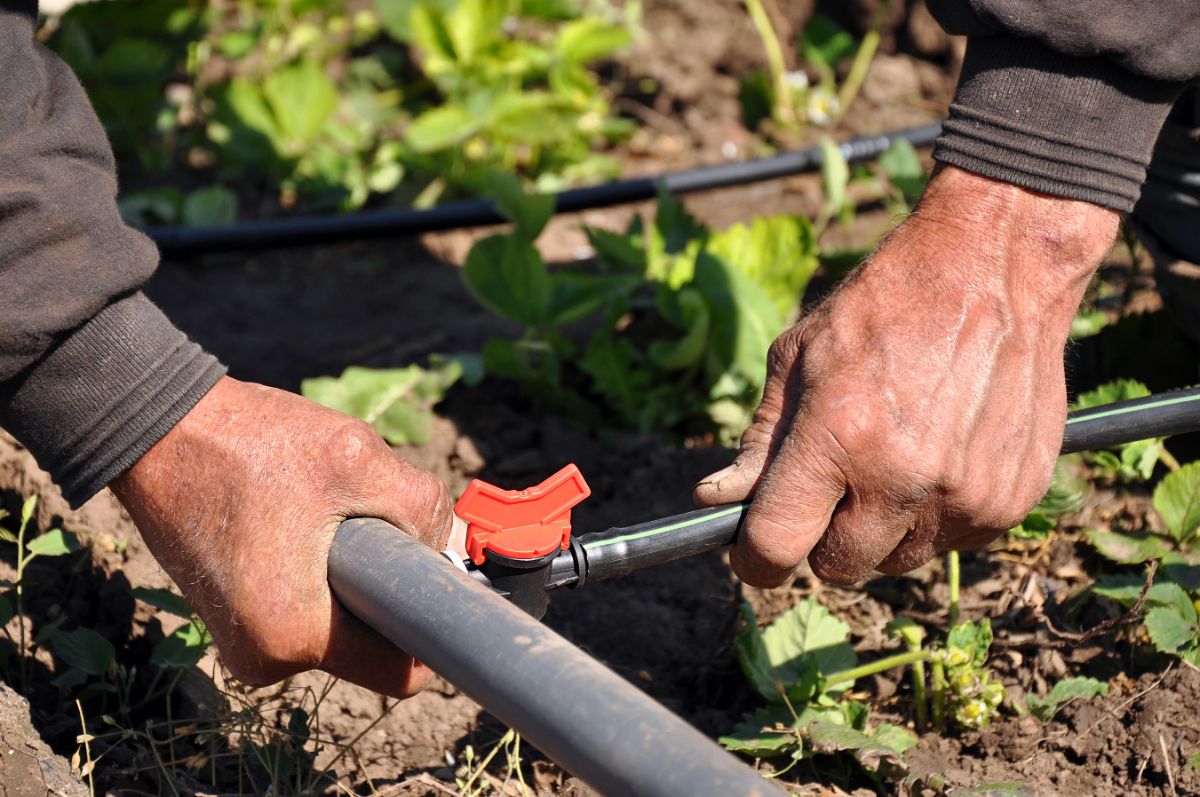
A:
x,y
921,406
239,503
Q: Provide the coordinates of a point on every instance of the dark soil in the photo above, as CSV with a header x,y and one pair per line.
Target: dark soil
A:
x,y
282,316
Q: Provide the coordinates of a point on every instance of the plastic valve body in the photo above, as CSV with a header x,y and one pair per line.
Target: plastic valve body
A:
x,y
521,524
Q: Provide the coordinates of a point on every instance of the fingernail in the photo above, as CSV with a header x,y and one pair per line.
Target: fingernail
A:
x,y
719,476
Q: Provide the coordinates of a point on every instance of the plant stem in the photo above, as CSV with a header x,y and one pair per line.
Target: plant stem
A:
x,y
87,750
939,694
22,560
952,575
862,61
775,62
863,670
918,684
1168,459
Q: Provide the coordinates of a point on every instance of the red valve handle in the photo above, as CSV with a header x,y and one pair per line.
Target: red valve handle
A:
x,y
521,524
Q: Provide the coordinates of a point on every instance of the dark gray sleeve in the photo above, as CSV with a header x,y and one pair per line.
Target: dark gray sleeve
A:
x,y
91,373
1067,96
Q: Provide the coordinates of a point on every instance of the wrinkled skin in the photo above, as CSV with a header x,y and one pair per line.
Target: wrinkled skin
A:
x,y
920,407
239,503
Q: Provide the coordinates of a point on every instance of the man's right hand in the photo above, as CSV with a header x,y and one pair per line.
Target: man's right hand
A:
x,y
239,503
921,406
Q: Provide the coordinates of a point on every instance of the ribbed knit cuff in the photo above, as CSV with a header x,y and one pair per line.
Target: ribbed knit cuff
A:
x,y
106,394
1081,128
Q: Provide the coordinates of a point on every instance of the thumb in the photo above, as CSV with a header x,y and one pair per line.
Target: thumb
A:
x,y
764,435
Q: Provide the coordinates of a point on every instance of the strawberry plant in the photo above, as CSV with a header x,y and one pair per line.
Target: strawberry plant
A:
x,y
784,101
1171,622
316,103
667,330
803,665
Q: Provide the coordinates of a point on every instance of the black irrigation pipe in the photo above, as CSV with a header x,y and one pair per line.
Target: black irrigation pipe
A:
x,y
389,223
620,551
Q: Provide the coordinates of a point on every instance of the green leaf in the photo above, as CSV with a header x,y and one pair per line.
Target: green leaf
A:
x,y
1118,390
766,733
243,103
779,253
695,319
182,649
1088,323
397,402
528,212
1068,689
895,737
907,629
428,30
474,24
590,38
610,362
530,118
756,98
469,364
991,790
507,275
828,737
744,319
1168,630
1124,588
835,176
1173,596
1127,549
27,508
675,226
210,207
824,43
6,612
1035,526
302,99
440,128
396,16
616,252
1067,490
85,650
165,600
132,61
155,206
973,638
904,170
1177,500
807,632
577,296
55,542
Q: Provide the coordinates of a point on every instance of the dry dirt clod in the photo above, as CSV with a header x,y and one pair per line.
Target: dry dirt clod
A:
x,y
28,768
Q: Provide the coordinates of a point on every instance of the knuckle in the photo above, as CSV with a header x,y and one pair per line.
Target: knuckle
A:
x,y
784,350
833,572
352,441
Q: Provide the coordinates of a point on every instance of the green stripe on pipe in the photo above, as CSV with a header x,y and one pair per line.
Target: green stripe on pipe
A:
x,y
683,524
1138,408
